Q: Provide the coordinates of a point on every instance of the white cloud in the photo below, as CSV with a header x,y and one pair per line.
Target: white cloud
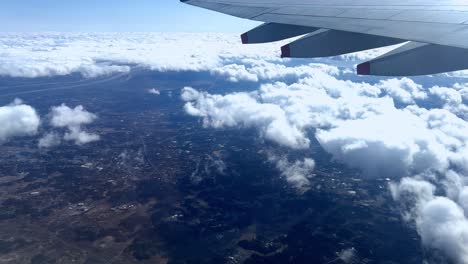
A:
x,y
447,95
393,144
18,119
442,225
92,55
452,99
464,93
368,54
49,140
347,255
297,173
73,119
441,222
154,91
255,70
403,90
241,109
64,116
463,200
79,136
235,73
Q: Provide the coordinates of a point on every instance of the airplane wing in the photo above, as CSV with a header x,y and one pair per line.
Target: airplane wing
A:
x,y
435,32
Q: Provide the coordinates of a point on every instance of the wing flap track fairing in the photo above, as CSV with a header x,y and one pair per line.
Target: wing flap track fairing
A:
x,y
270,32
416,58
326,43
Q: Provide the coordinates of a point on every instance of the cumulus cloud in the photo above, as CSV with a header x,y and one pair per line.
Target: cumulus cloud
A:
x,y
154,91
64,116
369,54
49,140
453,99
73,119
347,255
235,73
442,225
441,222
297,173
463,200
393,144
18,119
403,90
242,109
79,136
255,70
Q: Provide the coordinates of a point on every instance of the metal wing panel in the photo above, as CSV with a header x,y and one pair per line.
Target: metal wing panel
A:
x,y
242,11
435,33
370,13
306,10
432,16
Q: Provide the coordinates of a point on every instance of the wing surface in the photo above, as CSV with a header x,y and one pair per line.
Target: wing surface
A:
x,y
441,24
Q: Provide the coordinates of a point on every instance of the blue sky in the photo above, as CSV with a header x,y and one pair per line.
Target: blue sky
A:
x,y
113,15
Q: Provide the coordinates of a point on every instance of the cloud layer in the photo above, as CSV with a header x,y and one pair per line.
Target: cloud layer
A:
x,y
92,55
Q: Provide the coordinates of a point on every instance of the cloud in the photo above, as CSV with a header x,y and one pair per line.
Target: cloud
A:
x,y
452,99
463,200
447,95
49,140
347,255
64,116
368,54
442,225
297,173
441,222
393,144
79,136
18,119
403,90
154,91
73,119
254,70
241,109
235,73
92,55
